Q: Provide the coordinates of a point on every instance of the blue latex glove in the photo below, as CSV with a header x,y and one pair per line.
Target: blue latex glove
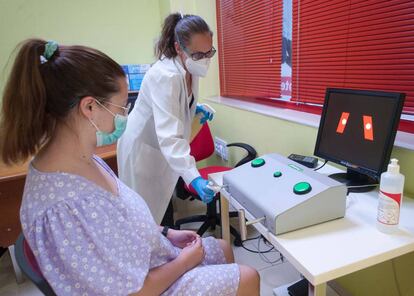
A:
x,y
200,185
207,115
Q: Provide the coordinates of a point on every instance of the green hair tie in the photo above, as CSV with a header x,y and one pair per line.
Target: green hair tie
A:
x,y
50,49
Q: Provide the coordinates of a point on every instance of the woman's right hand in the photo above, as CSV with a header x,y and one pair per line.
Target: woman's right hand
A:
x,y
200,185
193,254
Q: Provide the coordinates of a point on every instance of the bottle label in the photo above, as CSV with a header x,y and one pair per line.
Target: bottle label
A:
x,y
389,208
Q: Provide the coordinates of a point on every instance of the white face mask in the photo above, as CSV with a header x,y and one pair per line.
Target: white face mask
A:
x,y
197,68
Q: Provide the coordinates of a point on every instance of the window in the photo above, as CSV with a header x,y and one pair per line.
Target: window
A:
x,y
250,41
354,44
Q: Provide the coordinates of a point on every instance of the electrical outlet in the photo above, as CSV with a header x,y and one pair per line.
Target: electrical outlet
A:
x,y
220,146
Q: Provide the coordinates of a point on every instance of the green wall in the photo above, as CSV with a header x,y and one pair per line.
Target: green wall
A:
x,y
165,8
127,30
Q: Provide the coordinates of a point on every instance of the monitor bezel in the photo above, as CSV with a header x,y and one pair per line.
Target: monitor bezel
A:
x,y
389,143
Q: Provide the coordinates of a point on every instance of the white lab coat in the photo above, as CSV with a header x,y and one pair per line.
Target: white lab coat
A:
x,y
154,151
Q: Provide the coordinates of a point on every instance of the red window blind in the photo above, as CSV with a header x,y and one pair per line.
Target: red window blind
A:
x,y
355,44
250,42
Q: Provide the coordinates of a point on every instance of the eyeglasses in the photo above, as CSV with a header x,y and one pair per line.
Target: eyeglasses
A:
x,y
201,55
126,108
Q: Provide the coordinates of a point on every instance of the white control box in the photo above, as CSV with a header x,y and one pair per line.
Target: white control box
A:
x,y
289,195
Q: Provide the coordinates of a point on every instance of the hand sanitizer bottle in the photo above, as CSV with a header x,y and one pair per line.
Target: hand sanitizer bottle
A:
x,y
390,198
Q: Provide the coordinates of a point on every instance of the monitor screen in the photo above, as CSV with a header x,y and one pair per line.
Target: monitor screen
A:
x,y
357,129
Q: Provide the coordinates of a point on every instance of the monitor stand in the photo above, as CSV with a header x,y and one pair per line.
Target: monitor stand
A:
x,y
352,178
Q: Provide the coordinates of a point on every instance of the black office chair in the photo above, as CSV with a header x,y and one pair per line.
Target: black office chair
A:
x,y
202,146
28,264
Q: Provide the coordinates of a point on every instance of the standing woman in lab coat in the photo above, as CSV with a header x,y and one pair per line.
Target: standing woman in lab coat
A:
x,y
155,150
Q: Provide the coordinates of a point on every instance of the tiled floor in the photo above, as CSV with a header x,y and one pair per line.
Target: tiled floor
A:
x,y
272,275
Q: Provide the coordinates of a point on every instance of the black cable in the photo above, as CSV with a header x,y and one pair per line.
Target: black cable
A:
x,y
326,161
257,252
253,251
266,241
264,258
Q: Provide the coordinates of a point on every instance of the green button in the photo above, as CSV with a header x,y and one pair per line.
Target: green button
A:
x,y
258,162
277,174
302,188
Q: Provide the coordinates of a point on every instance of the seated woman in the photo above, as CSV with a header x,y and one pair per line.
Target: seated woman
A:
x,y
91,234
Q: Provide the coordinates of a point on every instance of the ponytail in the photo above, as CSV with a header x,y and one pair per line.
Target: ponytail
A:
x,y
24,123
179,28
45,84
165,46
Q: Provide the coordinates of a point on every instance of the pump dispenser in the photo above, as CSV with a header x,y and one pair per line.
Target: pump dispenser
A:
x,y
390,198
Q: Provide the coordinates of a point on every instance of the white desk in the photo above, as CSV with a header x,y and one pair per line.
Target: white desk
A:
x,y
333,249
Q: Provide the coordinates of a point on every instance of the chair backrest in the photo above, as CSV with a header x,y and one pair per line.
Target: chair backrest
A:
x,y
28,264
202,146
31,260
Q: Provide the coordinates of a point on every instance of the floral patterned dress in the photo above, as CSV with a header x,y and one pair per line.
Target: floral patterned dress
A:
x,y
88,241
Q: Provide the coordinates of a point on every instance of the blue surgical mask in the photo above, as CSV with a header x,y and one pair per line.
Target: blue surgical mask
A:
x,y
120,123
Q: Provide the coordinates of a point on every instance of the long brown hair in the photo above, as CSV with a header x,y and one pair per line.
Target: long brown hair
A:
x,y
40,94
180,28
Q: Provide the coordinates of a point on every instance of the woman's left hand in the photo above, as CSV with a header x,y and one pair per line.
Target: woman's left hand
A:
x,y
181,238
